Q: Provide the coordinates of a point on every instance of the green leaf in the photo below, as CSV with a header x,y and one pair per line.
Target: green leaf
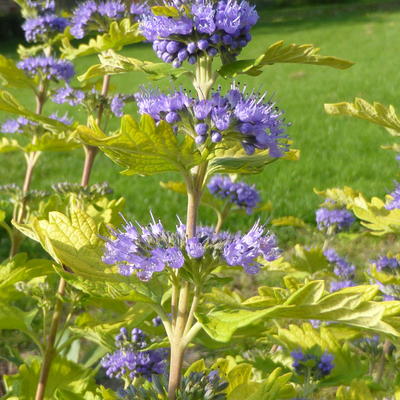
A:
x,y
20,268
350,306
167,11
114,64
64,375
344,197
376,217
275,387
9,104
281,53
377,113
11,76
144,149
13,318
9,145
120,34
357,391
74,241
309,260
289,221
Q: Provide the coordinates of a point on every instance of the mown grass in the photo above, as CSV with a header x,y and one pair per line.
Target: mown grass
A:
x,y
334,151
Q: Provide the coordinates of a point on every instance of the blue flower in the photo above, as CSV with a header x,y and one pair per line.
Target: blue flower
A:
x,y
317,367
339,219
48,68
68,95
238,193
394,203
255,123
130,360
202,27
18,125
39,28
149,249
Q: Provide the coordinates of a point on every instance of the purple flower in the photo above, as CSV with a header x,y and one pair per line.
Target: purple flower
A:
x,y
394,203
68,95
244,250
194,248
41,27
93,16
42,6
18,125
117,105
48,68
236,116
149,249
338,285
308,364
387,264
238,193
342,268
339,219
65,119
208,23
131,361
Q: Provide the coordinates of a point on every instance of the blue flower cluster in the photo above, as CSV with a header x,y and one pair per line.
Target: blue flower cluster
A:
x,y
18,125
149,249
390,266
41,27
342,269
201,28
308,364
339,219
25,125
235,116
394,203
238,193
45,23
97,16
75,97
130,360
48,68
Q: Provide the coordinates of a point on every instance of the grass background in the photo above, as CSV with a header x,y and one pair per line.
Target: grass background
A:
x,y
335,151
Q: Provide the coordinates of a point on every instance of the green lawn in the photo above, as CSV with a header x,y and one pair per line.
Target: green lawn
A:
x,y
334,151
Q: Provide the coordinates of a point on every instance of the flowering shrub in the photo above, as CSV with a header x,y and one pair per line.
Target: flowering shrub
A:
x,y
160,291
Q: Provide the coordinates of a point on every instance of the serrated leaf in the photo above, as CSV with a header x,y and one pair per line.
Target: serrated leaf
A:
x,y
144,149
289,221
376,217
309,260
64,375
350,306
281,53
377,113
9,145
357,391
275,387
74,241
120,34
20,268
344,197
234,160
114,64
11,76
9,104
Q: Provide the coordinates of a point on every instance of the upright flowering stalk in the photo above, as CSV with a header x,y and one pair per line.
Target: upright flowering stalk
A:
x,y
196,32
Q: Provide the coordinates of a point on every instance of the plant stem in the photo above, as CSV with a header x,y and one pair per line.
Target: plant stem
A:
x,y
49,353
90,155
381,366
221,216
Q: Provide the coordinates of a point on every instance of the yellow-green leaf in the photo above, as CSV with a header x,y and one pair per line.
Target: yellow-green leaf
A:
x,y
112,63
377,113
12,76
281,53
120,34
144,148
167,11
289,221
